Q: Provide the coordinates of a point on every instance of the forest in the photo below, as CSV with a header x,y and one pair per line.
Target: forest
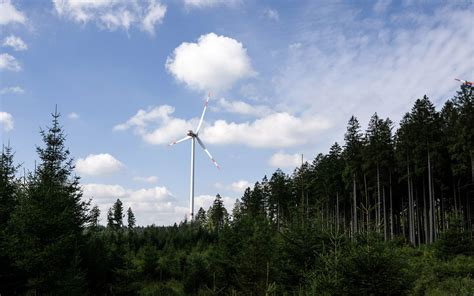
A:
x,y
388,212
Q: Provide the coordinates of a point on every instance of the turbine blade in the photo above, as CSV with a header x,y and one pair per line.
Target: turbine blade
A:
x,y
176,142
207,152
203,112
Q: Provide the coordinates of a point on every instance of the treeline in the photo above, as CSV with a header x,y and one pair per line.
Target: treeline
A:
x,y
387,213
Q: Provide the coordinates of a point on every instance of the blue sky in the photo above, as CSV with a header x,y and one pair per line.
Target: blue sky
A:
x,y
285,76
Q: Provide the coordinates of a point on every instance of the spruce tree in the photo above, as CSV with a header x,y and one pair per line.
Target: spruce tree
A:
x,y
9,191
118,215
47,226
217,214
130,218
201,217
94,217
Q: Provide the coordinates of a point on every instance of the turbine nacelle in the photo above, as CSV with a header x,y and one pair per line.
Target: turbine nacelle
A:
x,y
191,134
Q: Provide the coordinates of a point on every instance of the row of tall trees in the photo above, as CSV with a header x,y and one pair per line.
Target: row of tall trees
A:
x,y
411,182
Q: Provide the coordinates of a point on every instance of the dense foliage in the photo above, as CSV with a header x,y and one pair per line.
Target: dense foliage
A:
x,y
387,213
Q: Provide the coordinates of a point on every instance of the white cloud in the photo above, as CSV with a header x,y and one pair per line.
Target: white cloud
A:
x,y
12,90
274,130
158,126
209,3
73,115
282,160
98,164
150,205
213,63
150,179
15,42
238,186
243,108
8,62
271,14
113,14
9,14
6,119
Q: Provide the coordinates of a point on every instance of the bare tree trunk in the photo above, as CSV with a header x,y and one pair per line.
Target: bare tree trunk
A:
x,y
384,215
425,217
378,199
391,206
337,211
431,203
278,215
355,204
411,226
367,214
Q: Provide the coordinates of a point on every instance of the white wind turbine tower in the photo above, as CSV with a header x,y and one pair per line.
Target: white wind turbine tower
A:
x,y
193,136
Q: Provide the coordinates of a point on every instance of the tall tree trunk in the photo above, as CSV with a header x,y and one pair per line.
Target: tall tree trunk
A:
x,y
378,198
355,205
337,211
391,206
367,213
454,195
425,211
431,211
384,215
278,215
411,226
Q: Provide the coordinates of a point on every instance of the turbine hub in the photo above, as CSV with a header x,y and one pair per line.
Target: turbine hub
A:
x,y
191,134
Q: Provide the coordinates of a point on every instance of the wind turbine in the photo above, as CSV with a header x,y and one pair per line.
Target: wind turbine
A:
x,y
193,136
464,81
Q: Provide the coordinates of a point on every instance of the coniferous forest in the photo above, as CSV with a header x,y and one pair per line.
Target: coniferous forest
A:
x,y
388,212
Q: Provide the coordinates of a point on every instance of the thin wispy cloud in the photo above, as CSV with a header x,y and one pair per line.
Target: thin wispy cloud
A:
x,y
243,108
210,3
382,68
113,14
15,90
271,14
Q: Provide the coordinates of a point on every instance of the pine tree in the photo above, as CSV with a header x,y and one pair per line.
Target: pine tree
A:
x,y
48,224
130,218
